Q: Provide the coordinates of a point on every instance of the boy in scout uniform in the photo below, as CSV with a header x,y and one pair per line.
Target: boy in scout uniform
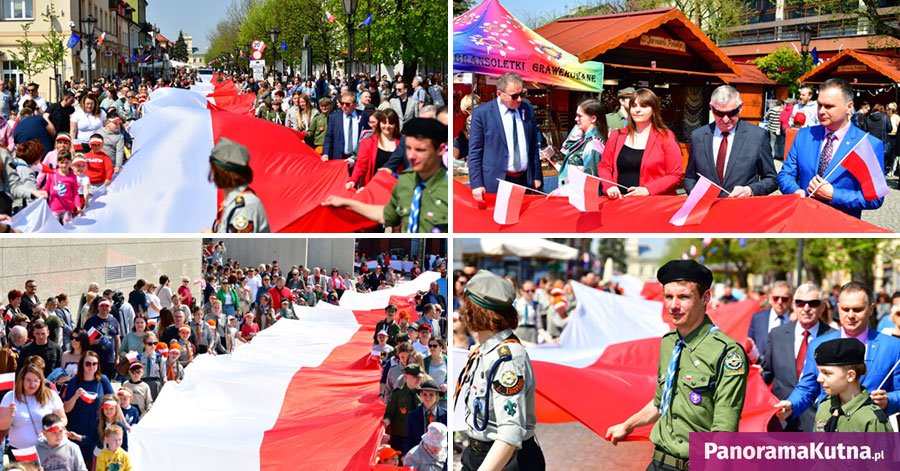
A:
x,y
702,374
419,199
318,125
241,211
497,383
848,407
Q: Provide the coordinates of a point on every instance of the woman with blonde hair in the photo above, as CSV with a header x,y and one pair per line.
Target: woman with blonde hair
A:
x,y
301,112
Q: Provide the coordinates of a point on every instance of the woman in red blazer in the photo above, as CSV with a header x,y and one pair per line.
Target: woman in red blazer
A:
x,y
644,156
375,150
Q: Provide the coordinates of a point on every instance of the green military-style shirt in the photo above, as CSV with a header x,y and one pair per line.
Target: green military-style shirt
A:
x,y
318,125
433,209
708,391
616,121
859,414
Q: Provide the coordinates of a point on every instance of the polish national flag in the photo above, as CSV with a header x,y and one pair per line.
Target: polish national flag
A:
x,y
509,202
26,454
7,381
132,356
696,206
100,39
865,166
609,353
584,190
93,334
89,397
330,17
321,385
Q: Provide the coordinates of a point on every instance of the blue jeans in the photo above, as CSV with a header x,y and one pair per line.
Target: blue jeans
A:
x,y
228,309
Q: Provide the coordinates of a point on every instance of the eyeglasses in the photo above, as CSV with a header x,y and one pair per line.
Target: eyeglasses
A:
x,y
149,343
529,291
90,363
514,96
811,302
781,299
730,114
347,103
433,346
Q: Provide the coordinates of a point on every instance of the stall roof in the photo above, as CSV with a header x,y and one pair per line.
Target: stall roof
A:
x,y
883,63
590,36
525,248
750,75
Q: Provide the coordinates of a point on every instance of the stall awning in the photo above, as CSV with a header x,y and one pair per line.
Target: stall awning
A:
x,y
488,40
877,68
525,248
664,32
750,75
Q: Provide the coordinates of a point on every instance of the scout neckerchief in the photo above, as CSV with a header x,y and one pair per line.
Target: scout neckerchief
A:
x,y
671,371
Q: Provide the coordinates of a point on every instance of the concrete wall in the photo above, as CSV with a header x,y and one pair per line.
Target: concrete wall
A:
x,y
69,265
323,253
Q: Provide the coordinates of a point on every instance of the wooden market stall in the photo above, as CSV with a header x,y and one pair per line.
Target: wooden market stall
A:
x,y
873,74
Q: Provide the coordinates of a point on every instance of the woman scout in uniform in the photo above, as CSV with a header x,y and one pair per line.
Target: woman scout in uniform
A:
x,y
497,383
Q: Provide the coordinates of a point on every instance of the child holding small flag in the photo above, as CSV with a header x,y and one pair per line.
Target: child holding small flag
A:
x,y
113,457
54,448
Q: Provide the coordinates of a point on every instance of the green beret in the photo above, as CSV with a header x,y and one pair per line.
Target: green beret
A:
x,y
490,291
230,155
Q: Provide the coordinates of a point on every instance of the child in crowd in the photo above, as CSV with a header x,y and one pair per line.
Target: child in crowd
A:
x,y
187,348
382,349
129,411
113,457
389,456
141,395
99,165
174,370
61,186
250,327
79,168
848,407
55,451
111,414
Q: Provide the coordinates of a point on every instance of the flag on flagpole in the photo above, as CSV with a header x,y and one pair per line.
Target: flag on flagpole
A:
x,y
509,202
93,334
242,54
88,397
702,197
815,56
284,45
584,190
864,165
100,39
330,17
26,454
366,21
7,381
73,40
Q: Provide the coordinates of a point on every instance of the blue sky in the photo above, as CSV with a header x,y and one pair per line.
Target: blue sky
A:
x,y
194,17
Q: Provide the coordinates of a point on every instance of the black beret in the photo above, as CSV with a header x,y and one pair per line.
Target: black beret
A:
x,y
685,270
840,352
427,128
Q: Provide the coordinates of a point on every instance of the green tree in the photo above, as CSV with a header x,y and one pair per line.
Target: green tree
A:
x,y
784,66
27,59
461,6
52,52
713,17
179,50
884,21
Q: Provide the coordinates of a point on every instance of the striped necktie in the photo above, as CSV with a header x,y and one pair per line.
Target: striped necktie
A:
x,y
414,208
670,378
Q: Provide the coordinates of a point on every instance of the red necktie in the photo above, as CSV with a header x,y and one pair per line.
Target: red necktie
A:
x,y
430,417
720,158
801,355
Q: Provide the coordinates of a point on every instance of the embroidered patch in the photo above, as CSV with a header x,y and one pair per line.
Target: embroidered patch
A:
x,y
508,378
512,385
240,222
510,408
734,364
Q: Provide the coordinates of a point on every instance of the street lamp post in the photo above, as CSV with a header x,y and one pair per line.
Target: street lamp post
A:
x,y
273,35
88,24
349,9
805,36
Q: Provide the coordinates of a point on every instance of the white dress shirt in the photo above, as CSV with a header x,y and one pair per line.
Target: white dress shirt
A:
x,y
507,118
798,336
774,321
351,140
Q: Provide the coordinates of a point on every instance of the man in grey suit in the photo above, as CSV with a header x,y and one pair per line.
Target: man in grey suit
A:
x,y
731,153
780,365
405,107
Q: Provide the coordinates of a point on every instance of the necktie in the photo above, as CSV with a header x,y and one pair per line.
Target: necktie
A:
x,y
801,355
782,319
414,208
827,151
670,378
720,158
525,321
517,156
430,417
348,146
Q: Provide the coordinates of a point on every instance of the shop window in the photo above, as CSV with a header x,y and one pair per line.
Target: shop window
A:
x,y
18,9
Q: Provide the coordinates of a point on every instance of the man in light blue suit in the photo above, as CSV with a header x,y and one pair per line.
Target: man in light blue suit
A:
x,y
855,306
817,150
503,141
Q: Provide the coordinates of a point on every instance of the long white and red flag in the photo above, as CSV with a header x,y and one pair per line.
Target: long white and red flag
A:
x,y
610,350
698,202
299,385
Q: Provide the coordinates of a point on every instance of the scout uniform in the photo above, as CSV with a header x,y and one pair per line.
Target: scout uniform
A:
x,y
497,386
859,414
703,390
403,400
617,120
417,205
241,210
318,126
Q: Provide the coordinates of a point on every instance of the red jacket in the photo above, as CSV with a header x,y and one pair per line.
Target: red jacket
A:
x,y
661,165
99,167
364,169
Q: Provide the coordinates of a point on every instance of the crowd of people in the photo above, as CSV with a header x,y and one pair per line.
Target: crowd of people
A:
x,y
626,144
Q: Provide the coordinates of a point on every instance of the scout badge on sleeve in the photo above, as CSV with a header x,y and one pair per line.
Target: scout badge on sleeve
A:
x,y
734,364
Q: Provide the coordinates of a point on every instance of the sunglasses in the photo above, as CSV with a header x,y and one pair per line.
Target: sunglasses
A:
x,y
529,291
433,346
781,299
514,96
344,103
731,114
90,363
149,343
811,302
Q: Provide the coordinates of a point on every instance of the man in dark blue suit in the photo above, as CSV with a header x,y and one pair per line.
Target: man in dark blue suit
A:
x,y
418,419
855,306
778,315
503,141
344,128
785,343
817,150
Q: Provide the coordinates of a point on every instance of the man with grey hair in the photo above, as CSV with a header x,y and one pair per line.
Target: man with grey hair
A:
x,y
776,316
418,95
809,169
786,349
503,141
730,152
